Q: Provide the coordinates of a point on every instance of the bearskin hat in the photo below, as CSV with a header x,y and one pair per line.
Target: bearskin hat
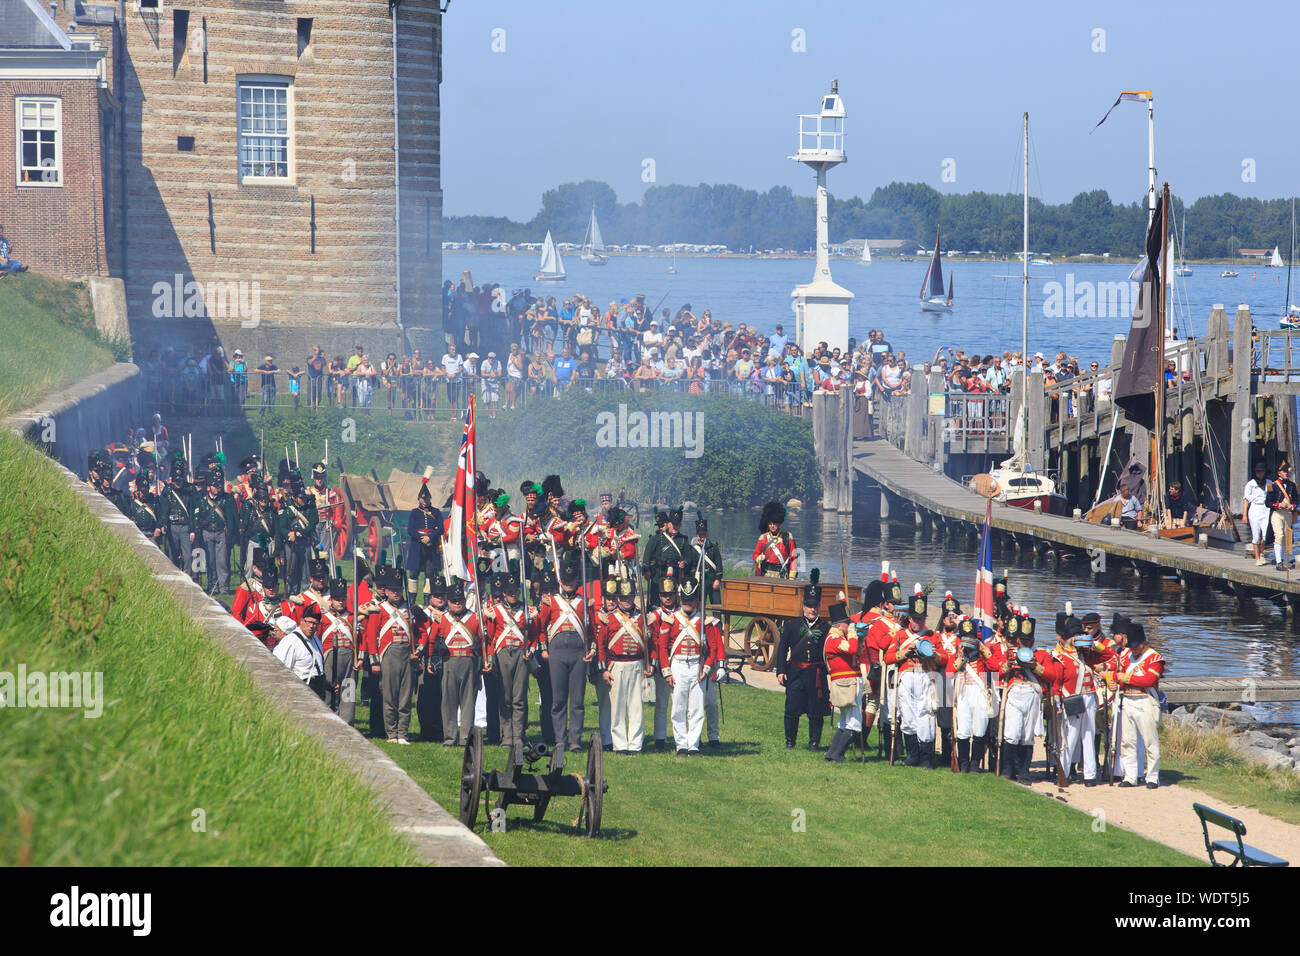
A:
x,y
551,486
481,485
773,513
875,594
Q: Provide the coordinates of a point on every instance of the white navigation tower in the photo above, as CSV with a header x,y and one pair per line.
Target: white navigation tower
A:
x,y
821,307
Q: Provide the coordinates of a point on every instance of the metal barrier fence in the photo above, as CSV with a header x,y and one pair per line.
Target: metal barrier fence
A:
x,y
976,413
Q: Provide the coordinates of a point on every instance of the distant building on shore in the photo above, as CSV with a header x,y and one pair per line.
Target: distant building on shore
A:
x,y
250,169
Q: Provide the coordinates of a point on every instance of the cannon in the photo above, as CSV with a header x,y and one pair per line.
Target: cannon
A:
x,y
521,783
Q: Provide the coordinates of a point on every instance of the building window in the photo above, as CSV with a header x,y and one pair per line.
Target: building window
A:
x,y
265,124
40,147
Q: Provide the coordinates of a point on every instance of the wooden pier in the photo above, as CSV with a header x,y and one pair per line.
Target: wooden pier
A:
x,y
1213,690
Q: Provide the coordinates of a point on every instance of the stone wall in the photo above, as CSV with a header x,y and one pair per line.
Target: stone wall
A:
x,y
71,422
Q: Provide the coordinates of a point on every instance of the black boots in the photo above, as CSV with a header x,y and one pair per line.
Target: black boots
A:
x,y
791,731
1025,755
815,733
838,745
963,755
977,745
913,747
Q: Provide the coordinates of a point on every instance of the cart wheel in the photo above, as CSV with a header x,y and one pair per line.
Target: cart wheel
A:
x,y
374,539
340,543
594,793
471,777
761,637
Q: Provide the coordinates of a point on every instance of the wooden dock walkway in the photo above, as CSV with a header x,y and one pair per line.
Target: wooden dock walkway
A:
x,y
936,494
1246,690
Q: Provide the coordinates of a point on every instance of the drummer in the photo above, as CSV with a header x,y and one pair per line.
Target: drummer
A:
x,y
917,655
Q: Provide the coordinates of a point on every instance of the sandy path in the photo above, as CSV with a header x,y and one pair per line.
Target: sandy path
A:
x,y
1164,815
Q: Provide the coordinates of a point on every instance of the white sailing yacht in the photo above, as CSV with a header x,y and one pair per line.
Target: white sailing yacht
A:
x,y
1290,313
866,253
593,246
1183,268
672,263
932,295
1275,260
551,268
1231,271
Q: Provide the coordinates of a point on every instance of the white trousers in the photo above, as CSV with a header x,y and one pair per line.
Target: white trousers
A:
x,y
1118,735
1023,720
972,710
627,710
851,716
1280,520
1257,515
688,703
1081,732
1140,724
916,703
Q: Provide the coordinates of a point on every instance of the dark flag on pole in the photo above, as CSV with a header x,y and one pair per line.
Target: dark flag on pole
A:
x,y
1140,377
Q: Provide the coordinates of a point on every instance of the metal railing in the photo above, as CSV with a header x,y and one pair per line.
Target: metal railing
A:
x,y
977,414
1275,356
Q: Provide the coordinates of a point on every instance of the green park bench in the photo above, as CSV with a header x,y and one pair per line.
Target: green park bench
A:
x,y
1243,854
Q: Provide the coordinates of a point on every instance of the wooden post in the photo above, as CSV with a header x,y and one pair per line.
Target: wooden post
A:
x,y
1035,450
914,440
845,457
1217,366
936,423
1240,440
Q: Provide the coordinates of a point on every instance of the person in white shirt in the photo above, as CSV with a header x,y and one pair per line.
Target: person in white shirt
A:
x,y
453,367
1254,510
490,374
653,338
298,649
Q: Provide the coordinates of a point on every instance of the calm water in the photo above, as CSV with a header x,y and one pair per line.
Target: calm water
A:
x,y
1200,632
986,316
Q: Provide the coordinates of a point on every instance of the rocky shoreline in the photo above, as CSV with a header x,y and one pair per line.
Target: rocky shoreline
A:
x,y
1275,746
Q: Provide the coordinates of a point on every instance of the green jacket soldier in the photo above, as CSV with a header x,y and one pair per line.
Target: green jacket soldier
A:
x,y
258,522
667,548
214,524
176,508
297,529
705,557
144,511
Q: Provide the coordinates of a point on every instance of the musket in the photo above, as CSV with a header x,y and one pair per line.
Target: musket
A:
x,y
952,729
1056,731
1118,724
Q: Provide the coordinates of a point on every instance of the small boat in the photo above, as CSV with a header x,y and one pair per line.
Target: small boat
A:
x,y
932,294
1183,271
672,265
593,245
1183,268
1042,262
866,253
1290,319
1021,488
1275,260
551,268
1231,271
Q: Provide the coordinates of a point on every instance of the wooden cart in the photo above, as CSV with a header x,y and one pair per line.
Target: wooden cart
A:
x,y
769,602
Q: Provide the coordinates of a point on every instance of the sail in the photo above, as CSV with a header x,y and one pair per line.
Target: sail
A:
x,y
1276,259
1139,377
551,263
597,243
950,287
936,271
866,252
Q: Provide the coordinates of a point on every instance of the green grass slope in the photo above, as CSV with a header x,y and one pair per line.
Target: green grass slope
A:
x,y
50,339
189,763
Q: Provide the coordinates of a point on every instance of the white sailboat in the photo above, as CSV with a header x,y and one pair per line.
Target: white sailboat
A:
x,y
593,245
1231,271
1275,260
1183,268
932,294
551,268
1290,313
866,253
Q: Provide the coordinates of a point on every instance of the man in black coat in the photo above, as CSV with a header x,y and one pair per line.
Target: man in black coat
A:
x,y
801,669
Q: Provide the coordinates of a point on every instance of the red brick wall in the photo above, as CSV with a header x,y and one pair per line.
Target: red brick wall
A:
x,y
59,230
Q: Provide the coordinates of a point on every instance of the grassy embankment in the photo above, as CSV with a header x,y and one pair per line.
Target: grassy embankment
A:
x,y
50,339
741,806
1204,759
189,763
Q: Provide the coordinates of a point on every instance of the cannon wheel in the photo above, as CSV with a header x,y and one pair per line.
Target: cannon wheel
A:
x,y
503,798
471,777
539,810
593,796
761,638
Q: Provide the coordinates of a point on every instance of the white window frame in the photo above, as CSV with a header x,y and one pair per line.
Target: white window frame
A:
x,y
264,81
58,142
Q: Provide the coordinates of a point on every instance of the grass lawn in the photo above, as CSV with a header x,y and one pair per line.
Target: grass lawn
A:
x,y
738,808
50,338
1203,759
183,728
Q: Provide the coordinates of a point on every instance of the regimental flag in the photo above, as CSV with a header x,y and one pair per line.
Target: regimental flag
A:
x,y
984,608
461,535
1133,96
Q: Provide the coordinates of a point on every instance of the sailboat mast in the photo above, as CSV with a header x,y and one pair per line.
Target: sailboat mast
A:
x,y
1289,259
1024,261
1157,468
1151,159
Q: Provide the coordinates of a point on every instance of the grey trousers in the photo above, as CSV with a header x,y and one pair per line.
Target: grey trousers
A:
x,y
459,689
663,701
218,558
178,541
568,687
514,695
343,703
397,678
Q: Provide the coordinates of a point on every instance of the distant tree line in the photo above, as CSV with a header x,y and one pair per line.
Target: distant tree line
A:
x,y
778,219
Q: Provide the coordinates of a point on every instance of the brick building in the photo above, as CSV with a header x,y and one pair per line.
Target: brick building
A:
x,y
53,97
271,168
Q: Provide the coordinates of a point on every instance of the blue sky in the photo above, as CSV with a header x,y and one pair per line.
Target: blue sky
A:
x,y
710,90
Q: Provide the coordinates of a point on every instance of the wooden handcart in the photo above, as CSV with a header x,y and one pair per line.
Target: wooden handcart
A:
x,y
769,603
